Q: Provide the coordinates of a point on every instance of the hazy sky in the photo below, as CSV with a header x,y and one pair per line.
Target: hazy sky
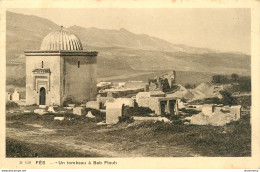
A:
x,y
219,29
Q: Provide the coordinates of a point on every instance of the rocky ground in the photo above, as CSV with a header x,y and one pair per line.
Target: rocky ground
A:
x,y
40,135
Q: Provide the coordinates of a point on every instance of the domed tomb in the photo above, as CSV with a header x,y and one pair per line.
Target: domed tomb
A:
x,y
60,71
61,40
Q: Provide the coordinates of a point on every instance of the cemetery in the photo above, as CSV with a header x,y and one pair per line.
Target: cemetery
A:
x,y
67,111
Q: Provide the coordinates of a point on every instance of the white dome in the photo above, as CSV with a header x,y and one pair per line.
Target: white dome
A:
x,y
61,40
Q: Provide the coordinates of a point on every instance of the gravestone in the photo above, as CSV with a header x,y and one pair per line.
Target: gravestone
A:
x,y
114,110
79,111
40,111
89,115
59,118
51,109
93,105
15,96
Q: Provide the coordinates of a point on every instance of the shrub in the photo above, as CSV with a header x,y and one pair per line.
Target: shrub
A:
x,y
190,111
160,126
69,100
137,111
190,86
127,119
227,99
220,79
213,100
10,105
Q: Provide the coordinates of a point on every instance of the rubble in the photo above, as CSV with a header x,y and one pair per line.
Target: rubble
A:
x,y
71,105
59,118
51,109
69,108
26,111
120,92
207,109
141,118
102,123
163,83
40,111
89,115
216,116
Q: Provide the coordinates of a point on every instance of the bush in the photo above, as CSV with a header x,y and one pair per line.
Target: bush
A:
x,y
67,102
190,111
70,101
11,105
213,100
220,79
244,84
127,119
190,86
159,126
244,101
227,99
137,111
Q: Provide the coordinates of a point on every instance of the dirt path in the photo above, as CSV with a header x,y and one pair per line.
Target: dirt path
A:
x,y
44,136
40,135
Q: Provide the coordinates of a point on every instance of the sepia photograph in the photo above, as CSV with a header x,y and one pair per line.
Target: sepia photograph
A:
x,y
129,85
128,82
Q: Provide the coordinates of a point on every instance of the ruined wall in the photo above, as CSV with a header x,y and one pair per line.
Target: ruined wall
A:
x,y
154,105
150,102
142,101
79,82
50,81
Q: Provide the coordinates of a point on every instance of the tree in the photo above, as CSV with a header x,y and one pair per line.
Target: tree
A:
x,y
234,77
227,98
219,79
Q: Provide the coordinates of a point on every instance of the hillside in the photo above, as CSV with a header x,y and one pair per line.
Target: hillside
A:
x,y
123,38
122,54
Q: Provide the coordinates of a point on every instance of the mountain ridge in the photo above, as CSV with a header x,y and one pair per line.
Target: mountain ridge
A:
x,y
119,50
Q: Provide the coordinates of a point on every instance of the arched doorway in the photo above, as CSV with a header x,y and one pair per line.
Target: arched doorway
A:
x,y
42,96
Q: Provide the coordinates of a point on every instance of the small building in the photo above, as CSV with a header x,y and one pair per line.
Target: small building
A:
x,y
164,83
60,70
160,105
121,84
16,96
7,96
